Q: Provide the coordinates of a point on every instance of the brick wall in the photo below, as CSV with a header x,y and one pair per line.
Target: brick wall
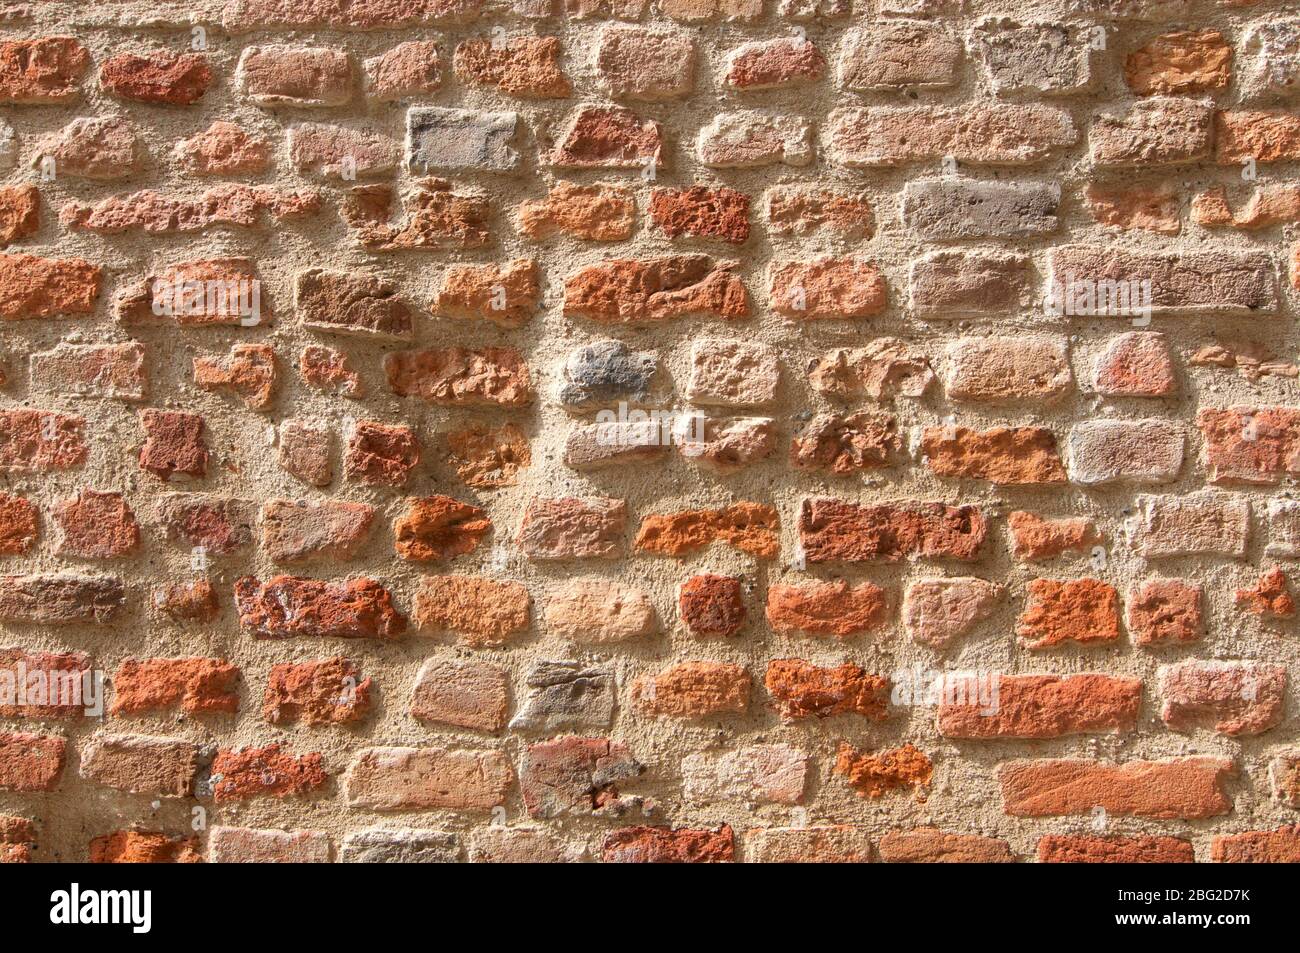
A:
x,y
330,333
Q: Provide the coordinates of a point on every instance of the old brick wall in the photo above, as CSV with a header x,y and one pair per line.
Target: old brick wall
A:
x,y
325,327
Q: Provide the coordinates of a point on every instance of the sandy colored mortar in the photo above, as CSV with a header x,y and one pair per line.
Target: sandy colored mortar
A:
x,y
965,795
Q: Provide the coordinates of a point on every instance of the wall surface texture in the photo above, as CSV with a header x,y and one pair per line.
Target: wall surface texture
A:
x,y
643,430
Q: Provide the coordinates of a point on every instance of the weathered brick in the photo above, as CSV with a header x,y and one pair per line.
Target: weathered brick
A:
x,y
608,137
1280,846
155,213
175,446
20,212
837,844
1079,610
1044,706
937,611
1136,364
625,291
326,692
990,134
831,529
1253,445
1197,523
330,371
1270,597
772,774
694,690
91,370
498,844
524,66
826,288
243,773
408,70
1271,54
1033,537
379,455
590,212
45,684
242,16
141,764
481,611
732,373
487,457
218,525
211,291
899,53
599,611
573,528
305,451
459,376
646,63
874,775
41,71
222,149
360,305
19,525
927,845
953,283
144,847
566,695
286,606
1175,788
507,295
1002,370
160,77
62,599
1002,455
885,368
800,689
805,210
31,763
47,287
701,212
462,692
296,76
574,775
418,779
749,527
1125,451
819,609
1234,698
1155,208
437,216
1090,849
1047,58
341,152
247,372
950,209
1182,63
382,846
749,140
300,530
246,845
845,445
774,64
1153,132
194,601
194,685
95,525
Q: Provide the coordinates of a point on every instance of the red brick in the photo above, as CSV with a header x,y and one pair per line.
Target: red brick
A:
x,y
827,288
711,605
1233,698
195,685
1250,445
175,445
774,64
1164,611
437,217
1003,455
896,54
800,689
47,287
1263,135
326,692
926,845
573,528
1004,370
1153,132
825,608
1078,610
218,525
1136,364
439,527
1271,596
223,149
608,137
248,372
286,606
484,612
144,847
212,291
701,212
627,291
1181,63
1033,537
306,449
30,763
885,368
44,70
330,371
456,376
165,78
508,295
1280,846
487,457
17,839
1044,706
380,455
415,779
464,693
831,530
1174,788
1088,849
1152,208
878,774
20,212
604,213
94,525
62,693
997,134
18,525
248,206
296,76
524,66
408,70
91,370
805,210
572,775
749,527
243,16
244,845
662,845
187,601
244,773
694,690
359,305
